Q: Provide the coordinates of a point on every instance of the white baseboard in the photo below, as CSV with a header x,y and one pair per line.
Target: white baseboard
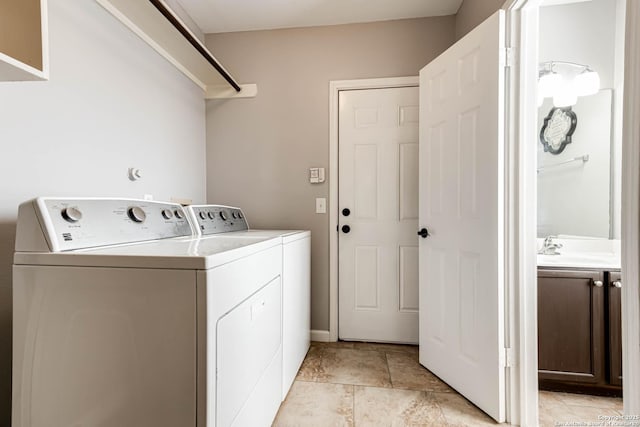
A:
x,y
321,336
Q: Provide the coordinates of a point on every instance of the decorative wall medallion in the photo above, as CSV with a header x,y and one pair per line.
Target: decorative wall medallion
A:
x,y
557,129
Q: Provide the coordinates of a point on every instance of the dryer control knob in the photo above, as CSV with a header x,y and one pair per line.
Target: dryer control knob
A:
x,y
167,214
203,215
212,215
223,215
136,214
71,214
179,214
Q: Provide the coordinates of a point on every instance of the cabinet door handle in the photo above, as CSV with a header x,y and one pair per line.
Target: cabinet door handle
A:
x,y
598,283
617,284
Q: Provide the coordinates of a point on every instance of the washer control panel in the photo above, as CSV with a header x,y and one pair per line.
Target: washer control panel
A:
x,y
215,219
79,223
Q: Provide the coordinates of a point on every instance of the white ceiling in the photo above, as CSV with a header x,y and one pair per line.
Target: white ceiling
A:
x,y
218,16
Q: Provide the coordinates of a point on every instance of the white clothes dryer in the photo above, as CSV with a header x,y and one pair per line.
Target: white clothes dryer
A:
x,y
228,221
122,317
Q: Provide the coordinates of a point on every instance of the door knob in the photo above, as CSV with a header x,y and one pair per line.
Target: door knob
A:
x,y
346,229
617,284
598,283
346,212
424,233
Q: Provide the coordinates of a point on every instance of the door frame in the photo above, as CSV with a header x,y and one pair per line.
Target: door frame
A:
x,y
521,216
522,35
335,86
631,212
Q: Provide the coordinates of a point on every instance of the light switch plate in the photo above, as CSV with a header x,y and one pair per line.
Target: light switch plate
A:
x,y
316,175
321,205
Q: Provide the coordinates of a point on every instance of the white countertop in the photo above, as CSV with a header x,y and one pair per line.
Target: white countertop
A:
x,y
598,254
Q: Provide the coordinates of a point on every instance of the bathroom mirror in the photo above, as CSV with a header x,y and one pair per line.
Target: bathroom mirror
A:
x,y
574,186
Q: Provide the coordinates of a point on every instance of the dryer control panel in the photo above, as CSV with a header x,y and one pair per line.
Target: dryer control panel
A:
x,y
79,223
214,219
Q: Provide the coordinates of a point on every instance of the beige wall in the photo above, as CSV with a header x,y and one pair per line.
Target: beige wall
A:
x,y
472,13
259,150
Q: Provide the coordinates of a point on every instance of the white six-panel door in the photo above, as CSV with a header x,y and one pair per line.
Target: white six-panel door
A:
x,y
461,203
378,184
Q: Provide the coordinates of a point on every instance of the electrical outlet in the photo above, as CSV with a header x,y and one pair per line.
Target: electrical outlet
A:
x,y
321,205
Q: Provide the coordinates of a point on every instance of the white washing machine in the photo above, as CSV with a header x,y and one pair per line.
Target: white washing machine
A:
x,y
122,318
227,221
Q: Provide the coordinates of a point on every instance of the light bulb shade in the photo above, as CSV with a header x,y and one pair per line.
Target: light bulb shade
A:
x,y
548,84
565,96
587,83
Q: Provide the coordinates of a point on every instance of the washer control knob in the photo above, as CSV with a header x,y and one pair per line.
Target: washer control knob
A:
x,y
136,214
202,215
71,214
234,215
167,214
212,215
240,215
178,213
223,215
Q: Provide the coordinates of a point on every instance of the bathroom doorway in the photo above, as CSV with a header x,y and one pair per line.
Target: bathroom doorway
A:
x,y
523,20
579,145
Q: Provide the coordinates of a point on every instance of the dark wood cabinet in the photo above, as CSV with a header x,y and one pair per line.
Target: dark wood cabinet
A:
x,y
614,325
579,337
571,335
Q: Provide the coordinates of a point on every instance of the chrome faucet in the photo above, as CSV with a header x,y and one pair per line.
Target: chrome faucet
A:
x,y
550,248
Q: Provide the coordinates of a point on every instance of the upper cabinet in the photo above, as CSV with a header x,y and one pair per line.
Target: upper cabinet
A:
x,y
24,50
155,23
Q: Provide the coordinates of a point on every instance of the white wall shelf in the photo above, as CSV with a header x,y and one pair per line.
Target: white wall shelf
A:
x,y
184,50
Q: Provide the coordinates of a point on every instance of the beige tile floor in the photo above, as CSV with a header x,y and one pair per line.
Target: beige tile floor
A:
x,y
363,384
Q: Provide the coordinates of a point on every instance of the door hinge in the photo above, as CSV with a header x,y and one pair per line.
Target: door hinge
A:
x,y
509,57
508,357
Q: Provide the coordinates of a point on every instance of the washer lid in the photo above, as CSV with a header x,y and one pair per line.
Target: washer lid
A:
x,y
180,253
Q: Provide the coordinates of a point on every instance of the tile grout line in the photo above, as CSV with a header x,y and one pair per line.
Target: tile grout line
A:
x,y
386,359
353,405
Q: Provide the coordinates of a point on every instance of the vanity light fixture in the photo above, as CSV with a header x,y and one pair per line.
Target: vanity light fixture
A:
x,y
587,83
565,96
565,82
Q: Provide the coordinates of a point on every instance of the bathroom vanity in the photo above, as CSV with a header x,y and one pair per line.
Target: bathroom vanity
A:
x,y
579,338
579,323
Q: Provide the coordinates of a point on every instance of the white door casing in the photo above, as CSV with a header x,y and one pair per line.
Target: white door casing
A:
x,y
631,213
462,205
378,183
